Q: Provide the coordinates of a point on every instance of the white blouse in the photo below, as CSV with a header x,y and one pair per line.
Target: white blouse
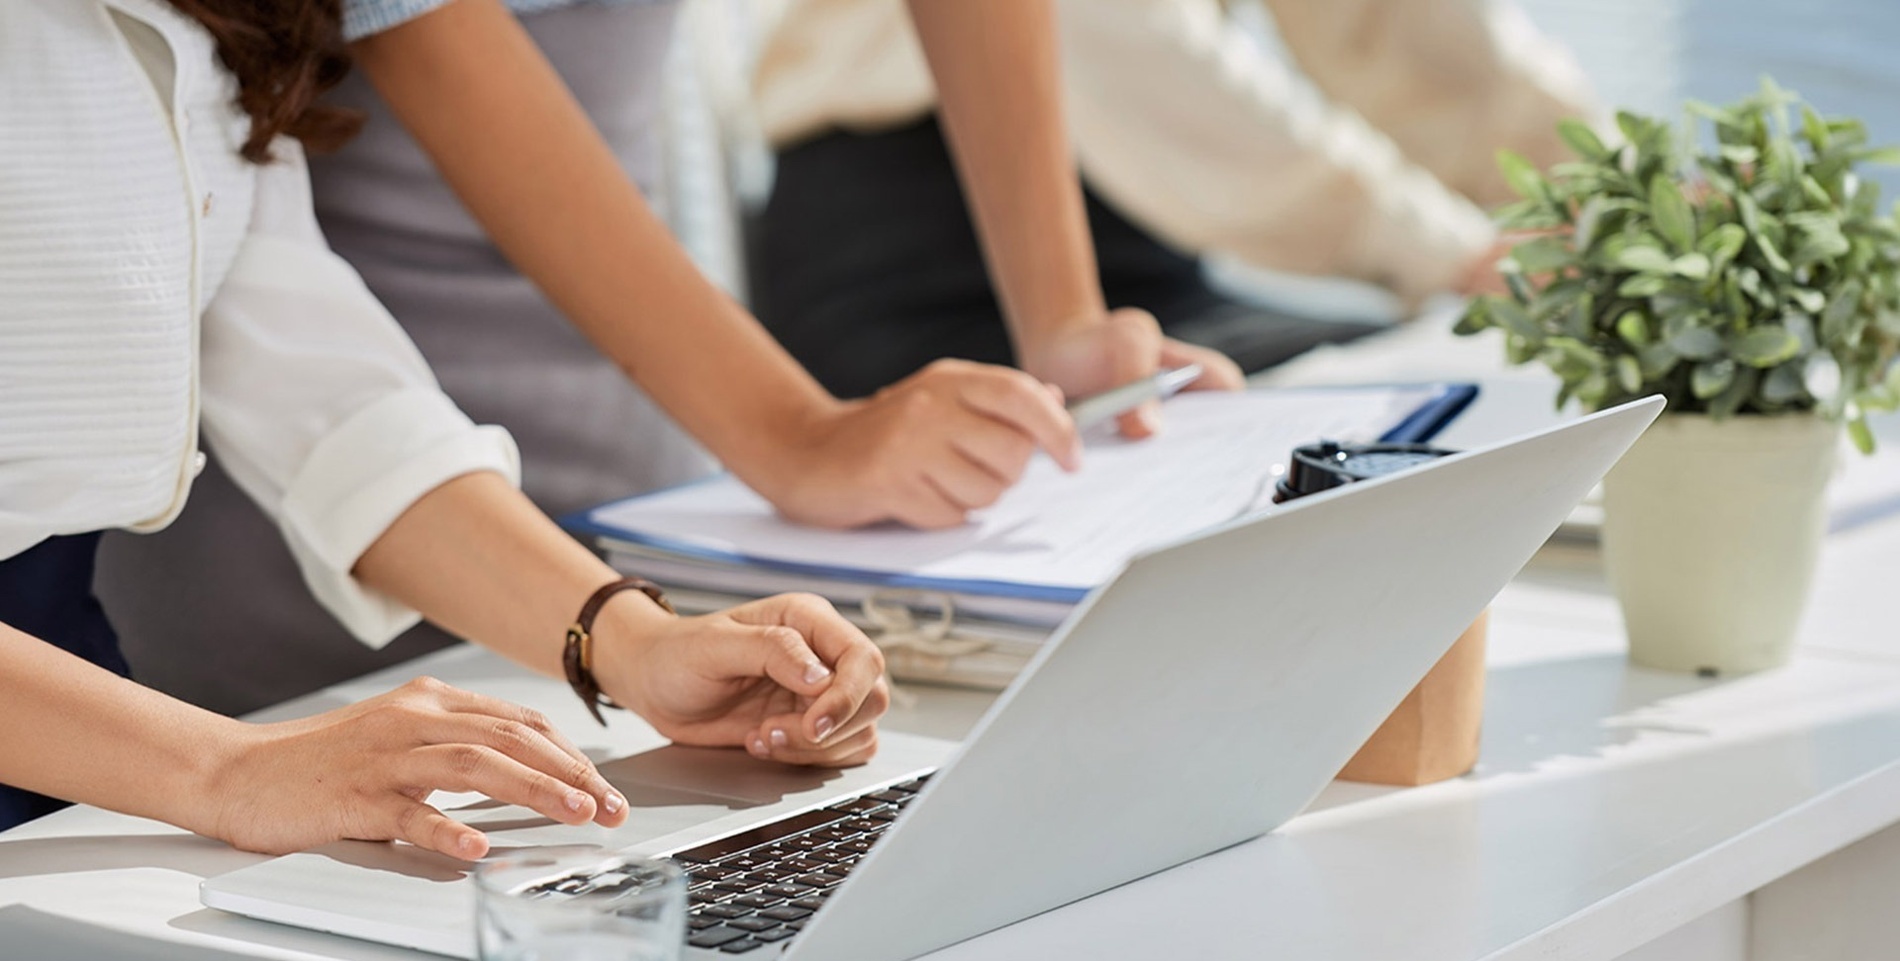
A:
x,y
151,280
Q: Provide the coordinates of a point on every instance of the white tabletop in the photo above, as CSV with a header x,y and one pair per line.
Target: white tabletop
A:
x,y
1611,804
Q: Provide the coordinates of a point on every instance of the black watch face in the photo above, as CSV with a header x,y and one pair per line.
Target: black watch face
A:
x,y
1368,464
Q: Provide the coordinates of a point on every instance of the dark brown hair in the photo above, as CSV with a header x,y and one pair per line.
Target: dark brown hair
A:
x,y
285,54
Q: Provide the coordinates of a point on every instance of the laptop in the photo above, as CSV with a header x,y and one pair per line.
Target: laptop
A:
x,y
1200,699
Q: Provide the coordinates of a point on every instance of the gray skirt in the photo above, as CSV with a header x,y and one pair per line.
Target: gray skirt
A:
x,y
212,609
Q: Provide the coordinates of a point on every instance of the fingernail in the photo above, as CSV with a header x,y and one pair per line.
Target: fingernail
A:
x,y
757,745
816,672
576,800
614,803
779,739
470,844
824,727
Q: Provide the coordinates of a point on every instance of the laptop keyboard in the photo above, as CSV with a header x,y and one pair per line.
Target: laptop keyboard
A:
x,y
760,886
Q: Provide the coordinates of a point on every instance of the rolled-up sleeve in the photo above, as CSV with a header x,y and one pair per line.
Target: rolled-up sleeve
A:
x,y
320,407
361,18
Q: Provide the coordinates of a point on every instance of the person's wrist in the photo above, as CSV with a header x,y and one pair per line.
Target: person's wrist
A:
x,y
800,477
1040,346
623,640
214,778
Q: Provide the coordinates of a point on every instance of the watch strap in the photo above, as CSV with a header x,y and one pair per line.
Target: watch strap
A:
x,y
577,657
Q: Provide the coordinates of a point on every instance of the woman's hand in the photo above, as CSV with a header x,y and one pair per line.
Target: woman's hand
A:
x,y
786,677
925,451
1124,347
366,771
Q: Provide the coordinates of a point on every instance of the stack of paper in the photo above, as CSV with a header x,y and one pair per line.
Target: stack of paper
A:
x,y
1028,559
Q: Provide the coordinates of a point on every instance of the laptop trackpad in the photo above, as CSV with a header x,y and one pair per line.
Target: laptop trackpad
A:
x,y
668,789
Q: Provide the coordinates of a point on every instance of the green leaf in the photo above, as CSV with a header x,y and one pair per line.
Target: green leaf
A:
x,y
1750,213
1543,255
1669,209
1693,266
1802,327
1474,319
1644,259
1633,328
1581,139
1820,246
1658,360
1860,434
1840,311
1588,216
1809,300
1741,155
1776,262
1813,128
1884,156
1737,393
1784,385
1712,378
1766,346
1592,389
1696,343
1642,285
1523,177
1528,215
1515,319
1720,115
1555,299
1517,351
1750,282
1722,244
1847,132
1629,374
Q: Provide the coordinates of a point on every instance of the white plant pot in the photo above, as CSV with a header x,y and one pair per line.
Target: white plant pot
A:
x,y
1710,534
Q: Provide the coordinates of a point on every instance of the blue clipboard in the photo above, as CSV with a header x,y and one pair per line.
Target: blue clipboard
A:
x,y
1425,421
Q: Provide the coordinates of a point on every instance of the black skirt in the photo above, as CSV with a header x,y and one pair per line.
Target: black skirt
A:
x,y
866,266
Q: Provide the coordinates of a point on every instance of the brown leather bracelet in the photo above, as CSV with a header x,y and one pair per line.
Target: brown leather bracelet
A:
x,y
578,657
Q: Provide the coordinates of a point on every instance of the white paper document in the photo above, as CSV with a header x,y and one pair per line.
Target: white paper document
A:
x,y
1055,535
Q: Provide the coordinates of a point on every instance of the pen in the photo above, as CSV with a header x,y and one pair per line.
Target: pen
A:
x,y
1120,400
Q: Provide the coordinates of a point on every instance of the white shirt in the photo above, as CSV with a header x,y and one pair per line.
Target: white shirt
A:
x,y
1189,130
152,281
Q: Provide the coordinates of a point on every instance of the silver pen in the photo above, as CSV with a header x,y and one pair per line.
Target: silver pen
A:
x,y
1120,400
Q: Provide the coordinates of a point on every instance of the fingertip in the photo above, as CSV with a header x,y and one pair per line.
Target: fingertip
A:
x,y
470,845
613,810
1138,424
817,676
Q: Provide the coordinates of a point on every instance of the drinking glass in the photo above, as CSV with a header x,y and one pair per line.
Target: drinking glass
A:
x,y
592,906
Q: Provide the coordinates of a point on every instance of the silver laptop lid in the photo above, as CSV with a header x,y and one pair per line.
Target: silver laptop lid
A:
x,y
1210,691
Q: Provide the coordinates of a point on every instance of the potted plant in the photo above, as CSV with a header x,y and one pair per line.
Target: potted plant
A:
x,y
1755,283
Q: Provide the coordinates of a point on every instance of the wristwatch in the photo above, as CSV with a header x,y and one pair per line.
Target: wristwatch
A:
x,y
577,658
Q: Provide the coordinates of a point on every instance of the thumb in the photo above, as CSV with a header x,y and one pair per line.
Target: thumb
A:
x,y
744,652
1134,345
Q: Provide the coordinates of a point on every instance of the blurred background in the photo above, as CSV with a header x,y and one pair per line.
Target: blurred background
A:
x,y
1645,55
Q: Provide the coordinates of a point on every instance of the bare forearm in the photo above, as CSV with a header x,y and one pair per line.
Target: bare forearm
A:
x,y
505,133
475,557
998,80
74,731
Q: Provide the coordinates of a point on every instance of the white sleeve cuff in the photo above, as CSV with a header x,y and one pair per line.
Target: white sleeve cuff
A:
x,y
361,477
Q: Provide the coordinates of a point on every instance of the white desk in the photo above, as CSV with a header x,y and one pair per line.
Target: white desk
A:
x,y
1612,807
